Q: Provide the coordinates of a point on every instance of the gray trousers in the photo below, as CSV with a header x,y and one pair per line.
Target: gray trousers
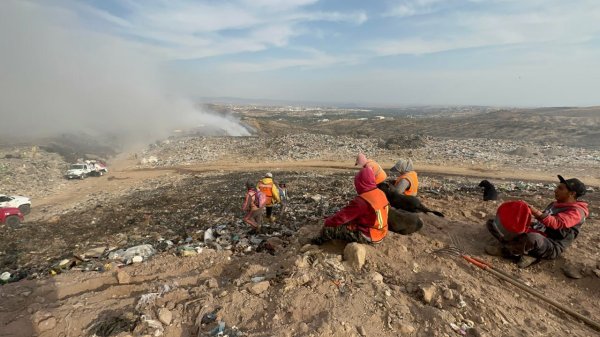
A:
x,y
532,244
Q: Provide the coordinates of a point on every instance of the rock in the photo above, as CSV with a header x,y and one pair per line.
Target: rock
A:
x,y
123,277
482,215
137,259
361,331
466,213
212,283
597,272
165,316
406,329
355,255
260,287
472,332
308,247
572,271
448,294
301,262
47,324
376,277
95,252
428,293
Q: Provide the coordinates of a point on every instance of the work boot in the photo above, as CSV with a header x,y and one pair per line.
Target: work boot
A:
x,y
526,261
501,251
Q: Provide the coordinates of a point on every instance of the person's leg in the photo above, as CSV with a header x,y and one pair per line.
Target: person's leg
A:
x,y
269,211
249,219
257,216
536,245
342,233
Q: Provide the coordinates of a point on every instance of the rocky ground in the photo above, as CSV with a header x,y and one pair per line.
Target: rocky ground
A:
x,y
157,247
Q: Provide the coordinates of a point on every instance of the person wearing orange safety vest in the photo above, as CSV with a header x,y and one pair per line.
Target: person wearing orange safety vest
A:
x,y
362,161
268,187
364,219
406,182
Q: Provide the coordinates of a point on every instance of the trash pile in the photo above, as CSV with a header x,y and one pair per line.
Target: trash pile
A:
x,y
30,171
493,153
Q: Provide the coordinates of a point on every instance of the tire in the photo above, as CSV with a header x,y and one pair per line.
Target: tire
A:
x,y
25,209
13,221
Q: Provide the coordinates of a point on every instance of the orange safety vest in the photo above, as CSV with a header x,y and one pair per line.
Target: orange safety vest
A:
x,y
267,190
380,174
377,200
413,181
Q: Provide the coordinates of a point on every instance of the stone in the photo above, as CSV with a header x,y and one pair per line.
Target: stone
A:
x,y
597,272
258,288
308,247
406,329
448,294
165,316
428,293
355,255
212,283
376,277
361,331
572,271
301,262
123,277
95,252
137,259
47,324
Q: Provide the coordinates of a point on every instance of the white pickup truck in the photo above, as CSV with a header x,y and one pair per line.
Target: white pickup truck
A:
x,y
16,201
79,171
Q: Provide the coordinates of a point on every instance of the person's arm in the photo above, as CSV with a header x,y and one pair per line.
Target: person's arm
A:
x,y
245,204
566,219
347,214
402,186
275,190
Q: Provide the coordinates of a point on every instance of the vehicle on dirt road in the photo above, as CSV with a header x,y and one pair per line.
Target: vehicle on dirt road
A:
x,y
17,201
11,216
78,171
97,168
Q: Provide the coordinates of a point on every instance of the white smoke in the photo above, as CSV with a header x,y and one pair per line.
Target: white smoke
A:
x,y
56,75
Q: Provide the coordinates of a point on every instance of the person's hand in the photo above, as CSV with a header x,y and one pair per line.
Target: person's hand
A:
x,y
534,211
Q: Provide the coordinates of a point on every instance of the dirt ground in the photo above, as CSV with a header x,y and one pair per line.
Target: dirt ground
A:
x,y
288,288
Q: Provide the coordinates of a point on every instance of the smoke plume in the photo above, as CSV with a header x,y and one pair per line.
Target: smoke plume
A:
x,y
58,75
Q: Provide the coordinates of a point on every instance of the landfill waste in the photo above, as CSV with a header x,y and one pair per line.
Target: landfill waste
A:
x,y
133,254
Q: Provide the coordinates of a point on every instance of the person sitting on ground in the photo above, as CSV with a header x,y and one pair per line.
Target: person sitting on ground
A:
x,y
268,187
547,233
362,161
406,182
253,208
364,219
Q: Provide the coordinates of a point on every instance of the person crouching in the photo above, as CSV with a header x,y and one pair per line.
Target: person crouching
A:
x,y
364,219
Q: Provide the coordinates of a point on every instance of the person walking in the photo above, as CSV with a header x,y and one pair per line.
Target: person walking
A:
x,y
270,190
253,206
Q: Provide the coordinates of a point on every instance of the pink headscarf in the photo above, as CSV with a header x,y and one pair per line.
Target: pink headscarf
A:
x,y
364,180
361,160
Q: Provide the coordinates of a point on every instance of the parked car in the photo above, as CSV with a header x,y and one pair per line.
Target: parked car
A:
x,y
11,216
17,201
79,171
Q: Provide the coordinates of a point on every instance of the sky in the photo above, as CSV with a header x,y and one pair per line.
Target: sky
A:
x,y
128,57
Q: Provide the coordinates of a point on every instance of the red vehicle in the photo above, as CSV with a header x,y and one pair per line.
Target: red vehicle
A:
x,y
11,216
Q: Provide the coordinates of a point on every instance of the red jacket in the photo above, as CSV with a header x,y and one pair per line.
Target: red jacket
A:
x,y
359,214
571,216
